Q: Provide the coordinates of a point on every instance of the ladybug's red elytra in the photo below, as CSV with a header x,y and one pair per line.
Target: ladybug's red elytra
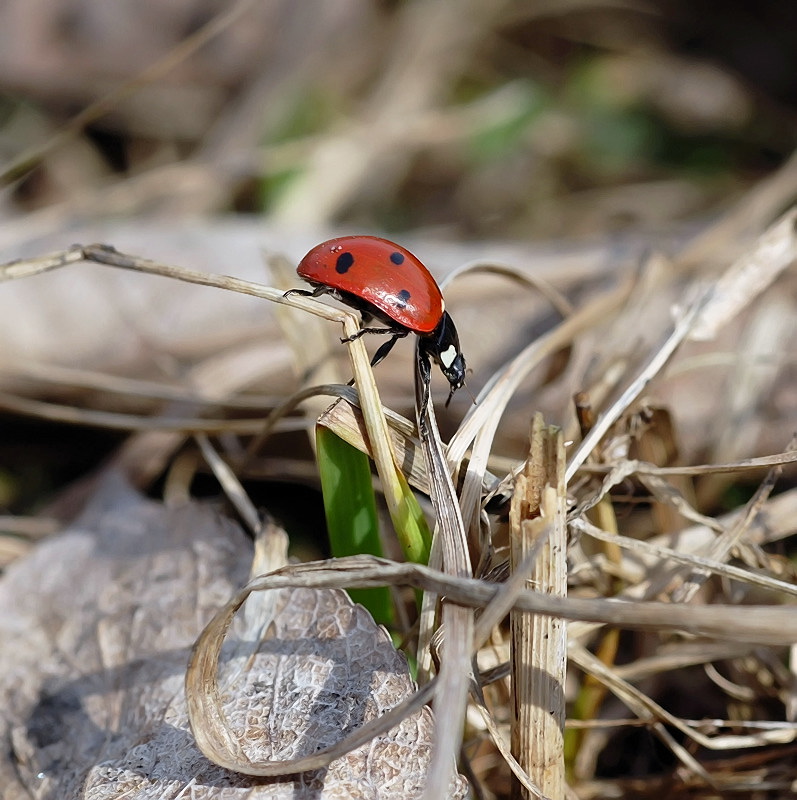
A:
x,y
386,282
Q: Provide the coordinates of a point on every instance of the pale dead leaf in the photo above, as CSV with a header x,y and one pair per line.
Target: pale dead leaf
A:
x,y
97,624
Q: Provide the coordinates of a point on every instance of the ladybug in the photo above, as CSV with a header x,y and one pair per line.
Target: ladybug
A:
x,y
385,282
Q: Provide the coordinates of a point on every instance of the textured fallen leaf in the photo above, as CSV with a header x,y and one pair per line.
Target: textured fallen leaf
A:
x,y
97,625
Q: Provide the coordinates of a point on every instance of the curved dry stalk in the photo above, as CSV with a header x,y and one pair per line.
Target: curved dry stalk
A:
x,y
293,402
557,300
212,731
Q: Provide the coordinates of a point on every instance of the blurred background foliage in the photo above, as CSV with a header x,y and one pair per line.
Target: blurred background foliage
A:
x,y
472,119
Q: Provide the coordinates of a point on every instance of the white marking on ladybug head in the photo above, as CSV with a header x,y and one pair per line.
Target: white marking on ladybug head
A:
x,y
448,355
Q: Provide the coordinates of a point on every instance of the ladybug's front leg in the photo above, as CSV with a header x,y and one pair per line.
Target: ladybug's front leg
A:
x,y
317,292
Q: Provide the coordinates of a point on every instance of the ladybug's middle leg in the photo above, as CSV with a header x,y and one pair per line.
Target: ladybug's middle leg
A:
x,y
379,355
384,349
395,332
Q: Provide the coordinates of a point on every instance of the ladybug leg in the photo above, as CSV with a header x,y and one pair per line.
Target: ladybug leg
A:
x,y
382,352
395,332
317,292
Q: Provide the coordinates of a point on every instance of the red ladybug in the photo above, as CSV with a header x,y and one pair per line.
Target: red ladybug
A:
x,y
388,283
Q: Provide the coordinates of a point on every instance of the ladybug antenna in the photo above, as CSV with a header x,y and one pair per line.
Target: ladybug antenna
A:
x,y
450,395
467,389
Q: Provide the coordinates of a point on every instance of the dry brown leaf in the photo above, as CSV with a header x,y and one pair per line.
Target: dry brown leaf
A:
x,y
97,625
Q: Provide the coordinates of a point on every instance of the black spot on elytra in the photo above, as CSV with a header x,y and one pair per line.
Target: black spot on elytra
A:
x,y
403,296
396,257
344,262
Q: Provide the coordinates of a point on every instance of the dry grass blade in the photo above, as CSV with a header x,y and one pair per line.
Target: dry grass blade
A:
x,y
505,749
721,549
450,550
646,468
656,363
58,412
664,492
377,428
557,300
755,624
346,421
105,383
24,268
233,490
647,552
641,705
292,403
108,255
740,285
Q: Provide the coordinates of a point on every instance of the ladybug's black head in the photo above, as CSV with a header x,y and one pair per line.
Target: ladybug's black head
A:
x,y
442,344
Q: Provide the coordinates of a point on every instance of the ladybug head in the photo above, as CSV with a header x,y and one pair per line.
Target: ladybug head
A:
x,y
442,344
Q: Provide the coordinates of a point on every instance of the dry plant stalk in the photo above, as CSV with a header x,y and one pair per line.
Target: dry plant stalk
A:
x,y
538,531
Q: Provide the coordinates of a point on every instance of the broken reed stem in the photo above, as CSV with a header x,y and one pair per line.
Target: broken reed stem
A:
x,y
539,644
